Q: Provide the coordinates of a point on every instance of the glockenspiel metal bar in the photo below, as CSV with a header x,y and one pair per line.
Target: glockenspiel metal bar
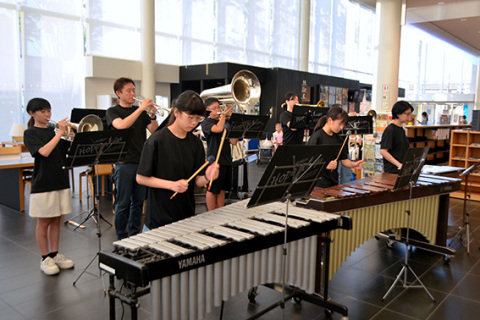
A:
x,y
292,222
229,233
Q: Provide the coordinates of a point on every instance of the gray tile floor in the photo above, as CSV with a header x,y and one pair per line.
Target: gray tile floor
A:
x,y
26,293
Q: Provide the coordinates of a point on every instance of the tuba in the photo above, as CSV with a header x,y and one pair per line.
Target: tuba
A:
x,y
244,91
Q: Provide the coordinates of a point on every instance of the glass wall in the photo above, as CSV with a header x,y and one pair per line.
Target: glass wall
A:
x,y
43,44
430,66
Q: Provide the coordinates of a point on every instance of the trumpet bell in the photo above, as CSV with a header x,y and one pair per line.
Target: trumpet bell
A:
x,y
90,123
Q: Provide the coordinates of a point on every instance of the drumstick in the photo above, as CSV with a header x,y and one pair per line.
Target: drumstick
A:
x,y
218,154
193,176
346,138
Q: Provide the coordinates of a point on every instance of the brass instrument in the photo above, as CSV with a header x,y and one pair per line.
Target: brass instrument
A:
x,y
244,91
88,123
158,109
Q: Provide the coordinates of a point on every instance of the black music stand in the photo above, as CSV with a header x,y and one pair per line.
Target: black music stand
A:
x,y
292,173
304,117
358,125
92,149
465,228
408,176
79,113
246,126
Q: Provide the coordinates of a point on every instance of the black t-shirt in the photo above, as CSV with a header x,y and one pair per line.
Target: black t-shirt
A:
x,y
396,142
289,136
320,137
167,157
213,142
139,134
48,174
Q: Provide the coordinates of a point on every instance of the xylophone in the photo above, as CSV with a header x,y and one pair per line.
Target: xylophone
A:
x,y
375,208
196,263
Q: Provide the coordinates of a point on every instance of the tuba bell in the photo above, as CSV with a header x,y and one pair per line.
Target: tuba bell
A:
x,y
244,91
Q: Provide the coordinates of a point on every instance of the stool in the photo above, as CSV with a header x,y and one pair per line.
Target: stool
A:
x,y
103,170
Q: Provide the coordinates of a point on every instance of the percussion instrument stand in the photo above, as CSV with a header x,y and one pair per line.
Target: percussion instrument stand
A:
x,y
465,228
406,267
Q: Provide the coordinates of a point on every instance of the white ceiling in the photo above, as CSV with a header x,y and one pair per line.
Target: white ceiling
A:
x,y
456,21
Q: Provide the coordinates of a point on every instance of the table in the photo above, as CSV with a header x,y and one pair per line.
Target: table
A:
x,y
12,188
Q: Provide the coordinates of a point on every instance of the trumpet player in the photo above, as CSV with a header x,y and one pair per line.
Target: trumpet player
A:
x,y
50,196
129,194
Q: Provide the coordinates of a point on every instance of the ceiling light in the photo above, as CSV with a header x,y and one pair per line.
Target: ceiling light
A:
x,y
441,2
463,19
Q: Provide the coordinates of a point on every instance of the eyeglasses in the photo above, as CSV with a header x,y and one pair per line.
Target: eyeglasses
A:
x,y
193,118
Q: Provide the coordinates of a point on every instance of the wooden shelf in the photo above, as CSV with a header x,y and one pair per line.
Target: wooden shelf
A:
x,y
463,154
420,136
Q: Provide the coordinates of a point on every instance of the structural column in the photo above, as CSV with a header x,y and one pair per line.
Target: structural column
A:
x,y
477,93
148,49
387,54
304,35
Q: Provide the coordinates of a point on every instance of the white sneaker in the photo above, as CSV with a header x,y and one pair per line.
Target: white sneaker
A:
x,y
48,266
62,262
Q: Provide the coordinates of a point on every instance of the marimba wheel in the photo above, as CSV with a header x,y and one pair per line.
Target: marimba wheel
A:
x,y
252,294
446,259
296,300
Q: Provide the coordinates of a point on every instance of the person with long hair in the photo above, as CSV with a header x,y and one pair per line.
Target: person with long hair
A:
x,y
326,133
290,135
50,196
394,143
169,158
129,195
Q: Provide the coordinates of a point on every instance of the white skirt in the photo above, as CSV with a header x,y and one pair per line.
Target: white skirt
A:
x,y
50,204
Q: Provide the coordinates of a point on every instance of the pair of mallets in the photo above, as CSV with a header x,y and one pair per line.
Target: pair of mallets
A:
x,y
207,163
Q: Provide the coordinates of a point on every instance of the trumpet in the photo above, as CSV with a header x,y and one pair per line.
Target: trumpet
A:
x,y
67,135
158,109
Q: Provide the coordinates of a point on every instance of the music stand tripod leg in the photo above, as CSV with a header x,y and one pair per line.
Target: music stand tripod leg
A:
x,y
406,267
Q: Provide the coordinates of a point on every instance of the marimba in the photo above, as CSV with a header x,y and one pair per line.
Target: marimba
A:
x,y
196,263
375,208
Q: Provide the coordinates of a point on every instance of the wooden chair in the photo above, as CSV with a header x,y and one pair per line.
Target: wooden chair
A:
x,y
103,170
27,177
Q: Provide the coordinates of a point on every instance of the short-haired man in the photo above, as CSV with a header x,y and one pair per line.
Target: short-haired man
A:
x,y
394,144
129,194
212,129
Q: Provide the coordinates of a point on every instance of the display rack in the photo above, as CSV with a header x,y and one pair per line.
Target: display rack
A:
x,y
464,152
437,137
